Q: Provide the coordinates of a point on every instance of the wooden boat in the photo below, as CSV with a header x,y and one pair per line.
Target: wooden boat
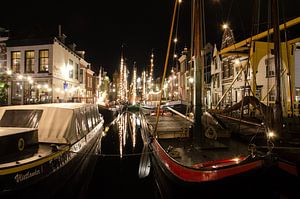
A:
x,y
44,145
182,152
267,119
107,113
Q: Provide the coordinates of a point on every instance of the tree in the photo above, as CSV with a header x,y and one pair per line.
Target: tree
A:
x,y
3,89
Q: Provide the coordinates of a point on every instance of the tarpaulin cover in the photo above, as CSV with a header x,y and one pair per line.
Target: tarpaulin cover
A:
x,y
61,123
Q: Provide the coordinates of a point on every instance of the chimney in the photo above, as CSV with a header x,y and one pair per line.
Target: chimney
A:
x,y
62,37
72,46
59,31
81,53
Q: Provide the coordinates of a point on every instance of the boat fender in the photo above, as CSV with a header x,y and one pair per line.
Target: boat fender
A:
x,y
21,144
54,147
210,132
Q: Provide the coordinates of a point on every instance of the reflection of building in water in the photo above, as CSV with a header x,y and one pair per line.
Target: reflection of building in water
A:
x,y
133,124
122,125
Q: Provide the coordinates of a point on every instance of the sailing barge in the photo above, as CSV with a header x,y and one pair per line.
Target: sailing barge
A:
x,y
42,146
181,148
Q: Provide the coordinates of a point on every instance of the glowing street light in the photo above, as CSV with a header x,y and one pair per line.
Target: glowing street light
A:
x,y
9,72
20,77
225,26
237,61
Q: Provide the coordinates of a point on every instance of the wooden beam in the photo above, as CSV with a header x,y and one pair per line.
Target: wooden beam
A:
x,y
236,54
293,41
233,47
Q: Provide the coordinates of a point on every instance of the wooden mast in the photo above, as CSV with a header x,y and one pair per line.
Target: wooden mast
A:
x,y
276,38
197,28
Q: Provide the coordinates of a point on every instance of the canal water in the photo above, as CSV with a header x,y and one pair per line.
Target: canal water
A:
x,y
113,173
116,172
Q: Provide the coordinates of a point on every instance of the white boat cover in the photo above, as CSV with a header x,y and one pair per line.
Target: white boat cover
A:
x,y
60,123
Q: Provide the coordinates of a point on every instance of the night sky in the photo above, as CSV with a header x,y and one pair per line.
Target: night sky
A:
x,y
102,27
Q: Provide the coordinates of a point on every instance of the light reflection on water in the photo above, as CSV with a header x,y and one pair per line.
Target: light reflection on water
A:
x,y
117,166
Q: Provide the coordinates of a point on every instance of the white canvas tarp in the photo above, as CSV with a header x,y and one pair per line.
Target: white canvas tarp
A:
x,y
59,123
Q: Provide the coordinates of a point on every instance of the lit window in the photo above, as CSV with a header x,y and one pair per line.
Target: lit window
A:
x,y
270,67
43,60
71,69
29,61
16,61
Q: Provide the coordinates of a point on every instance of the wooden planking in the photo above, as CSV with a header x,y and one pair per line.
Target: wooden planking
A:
x,y
170,126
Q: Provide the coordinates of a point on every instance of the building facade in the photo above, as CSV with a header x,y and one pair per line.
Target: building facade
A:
x,y
45,71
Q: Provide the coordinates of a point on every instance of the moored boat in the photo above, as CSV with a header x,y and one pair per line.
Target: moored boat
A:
x,y
48,144
189,152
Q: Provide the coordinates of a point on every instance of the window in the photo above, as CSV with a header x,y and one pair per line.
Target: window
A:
x,y
21,118
258,93
216,63
76,71
81,76
29,61
297,93
71,68
230,69
236,96
90,82
218,80
214,81
237,70
43,60
270,67
16,61
272,95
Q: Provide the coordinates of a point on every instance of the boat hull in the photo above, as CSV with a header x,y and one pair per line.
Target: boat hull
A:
x,y
50,174
178,181
193,175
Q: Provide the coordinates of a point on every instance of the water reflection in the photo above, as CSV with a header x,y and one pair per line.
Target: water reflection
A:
x,y
126,126
118,161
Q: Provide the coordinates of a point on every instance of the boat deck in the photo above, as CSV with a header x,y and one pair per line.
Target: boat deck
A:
x,y
188,153
170,126
286,149
181,147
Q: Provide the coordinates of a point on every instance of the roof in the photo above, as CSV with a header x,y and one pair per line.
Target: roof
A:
x,y
28,42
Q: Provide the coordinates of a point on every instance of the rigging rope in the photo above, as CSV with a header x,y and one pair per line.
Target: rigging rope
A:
x,y
288,62
166,65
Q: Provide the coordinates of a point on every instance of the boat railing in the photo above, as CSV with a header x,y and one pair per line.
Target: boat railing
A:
x,y
180,114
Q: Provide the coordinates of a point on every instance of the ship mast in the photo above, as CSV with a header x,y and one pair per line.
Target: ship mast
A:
x,y
197,43
276,37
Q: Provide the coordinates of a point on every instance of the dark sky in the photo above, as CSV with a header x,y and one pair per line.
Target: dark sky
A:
x,y
101,27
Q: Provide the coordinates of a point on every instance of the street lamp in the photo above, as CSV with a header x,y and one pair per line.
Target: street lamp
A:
x,y
225,26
